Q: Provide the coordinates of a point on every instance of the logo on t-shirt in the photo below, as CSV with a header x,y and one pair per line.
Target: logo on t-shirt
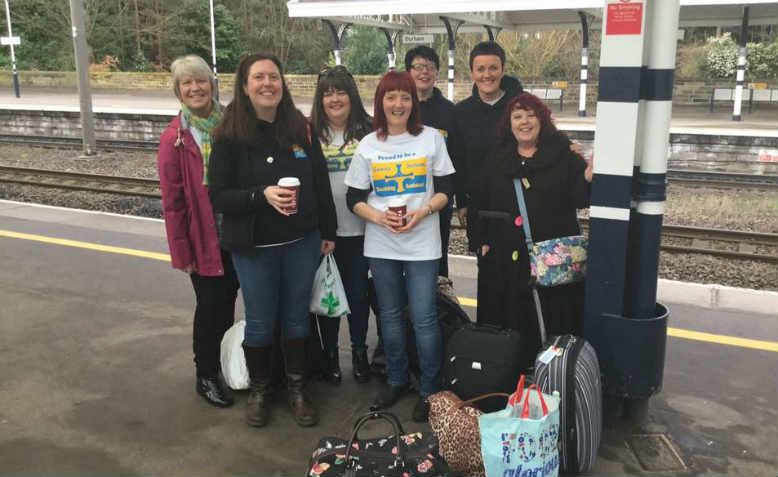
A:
x,y
299,153
338,160
444,133
407,176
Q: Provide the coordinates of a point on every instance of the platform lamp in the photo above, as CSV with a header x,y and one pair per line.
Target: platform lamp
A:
x,y
213,52
11,45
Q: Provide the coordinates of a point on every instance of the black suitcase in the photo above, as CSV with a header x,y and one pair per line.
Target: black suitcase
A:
x,y
568,364
483,359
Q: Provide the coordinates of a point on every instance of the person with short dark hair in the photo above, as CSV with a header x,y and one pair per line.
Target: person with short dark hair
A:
x,y
423,63
476,121
276,234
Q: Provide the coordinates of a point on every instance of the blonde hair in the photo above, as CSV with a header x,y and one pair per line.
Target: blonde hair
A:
x,y
191,65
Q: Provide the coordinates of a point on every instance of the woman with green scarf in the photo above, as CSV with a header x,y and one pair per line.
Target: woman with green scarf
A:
x,y
184,151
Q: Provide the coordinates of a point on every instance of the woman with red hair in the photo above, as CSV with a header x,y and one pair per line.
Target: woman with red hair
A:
x,y
556,182
403,165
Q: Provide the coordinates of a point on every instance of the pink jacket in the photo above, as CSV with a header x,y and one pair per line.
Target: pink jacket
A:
x,y
189,220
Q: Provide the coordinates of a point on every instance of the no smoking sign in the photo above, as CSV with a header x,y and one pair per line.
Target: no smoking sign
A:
x,y
624,18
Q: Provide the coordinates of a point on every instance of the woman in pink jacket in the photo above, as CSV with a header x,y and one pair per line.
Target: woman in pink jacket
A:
x,y
184,150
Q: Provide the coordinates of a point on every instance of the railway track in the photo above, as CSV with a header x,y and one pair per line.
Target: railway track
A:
x,y
727,180
733,244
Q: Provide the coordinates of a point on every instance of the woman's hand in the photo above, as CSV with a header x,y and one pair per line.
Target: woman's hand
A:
x,y
589,172
484,249
190,269
413,218
389,220
577,148
327,246
280,198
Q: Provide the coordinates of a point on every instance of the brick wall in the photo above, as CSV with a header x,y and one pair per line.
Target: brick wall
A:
x,y
685,91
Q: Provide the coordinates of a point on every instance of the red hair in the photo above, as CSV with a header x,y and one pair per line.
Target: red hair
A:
x,y
396,81
527,102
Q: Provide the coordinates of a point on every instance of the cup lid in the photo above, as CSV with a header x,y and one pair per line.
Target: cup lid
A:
x,y
288,182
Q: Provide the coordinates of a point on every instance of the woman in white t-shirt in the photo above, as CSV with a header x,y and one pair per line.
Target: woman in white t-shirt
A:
x,y
339,120
403,160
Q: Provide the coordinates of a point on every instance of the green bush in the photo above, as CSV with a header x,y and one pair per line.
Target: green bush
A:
x,y
721,56
762,60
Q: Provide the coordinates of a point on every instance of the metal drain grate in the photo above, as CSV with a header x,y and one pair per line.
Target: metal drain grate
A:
x,y
655,452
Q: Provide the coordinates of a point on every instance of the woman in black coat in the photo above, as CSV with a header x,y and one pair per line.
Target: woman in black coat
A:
x,y
556,182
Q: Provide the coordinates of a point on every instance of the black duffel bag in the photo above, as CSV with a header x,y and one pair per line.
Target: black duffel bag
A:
x,y
399,454
482,359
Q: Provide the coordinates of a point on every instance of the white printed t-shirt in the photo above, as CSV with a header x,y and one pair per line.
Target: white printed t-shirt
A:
x,y
338,161
402,165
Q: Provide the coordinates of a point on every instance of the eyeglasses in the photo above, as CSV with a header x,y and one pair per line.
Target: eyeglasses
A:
x,y
422,67
334,71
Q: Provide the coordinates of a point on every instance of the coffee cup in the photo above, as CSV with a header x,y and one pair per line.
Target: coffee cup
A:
x,y
398,206
293,184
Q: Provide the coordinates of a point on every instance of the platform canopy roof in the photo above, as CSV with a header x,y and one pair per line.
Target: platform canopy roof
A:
x,y
423,16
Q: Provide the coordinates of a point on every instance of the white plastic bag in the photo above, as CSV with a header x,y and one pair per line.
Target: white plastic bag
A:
x,y
233,360
328,297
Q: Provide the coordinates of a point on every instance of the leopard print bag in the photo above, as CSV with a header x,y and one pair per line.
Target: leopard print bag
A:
x,y
455,424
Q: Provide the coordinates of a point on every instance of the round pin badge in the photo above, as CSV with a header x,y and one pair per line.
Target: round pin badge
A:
x,y
519,220
515,255
270,159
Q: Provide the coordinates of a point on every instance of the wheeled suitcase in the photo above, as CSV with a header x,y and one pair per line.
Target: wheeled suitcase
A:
x,y
568,364
482,359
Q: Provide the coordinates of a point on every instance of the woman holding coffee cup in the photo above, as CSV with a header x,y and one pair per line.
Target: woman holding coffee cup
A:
x,y
339,120
269,178
403,165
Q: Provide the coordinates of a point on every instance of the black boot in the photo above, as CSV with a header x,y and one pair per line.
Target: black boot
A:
x,y
260,388
360,364
299,400
332,371
213,391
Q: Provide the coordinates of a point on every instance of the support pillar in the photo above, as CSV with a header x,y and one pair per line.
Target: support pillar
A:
x,y
390,53
741,68
11,46
584,65
452,46
492,32
337,38
82,73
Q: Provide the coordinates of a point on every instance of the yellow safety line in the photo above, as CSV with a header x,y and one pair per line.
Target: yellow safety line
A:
x,y
469,302
86,245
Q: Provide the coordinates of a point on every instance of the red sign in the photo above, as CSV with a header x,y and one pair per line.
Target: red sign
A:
x,y
624,18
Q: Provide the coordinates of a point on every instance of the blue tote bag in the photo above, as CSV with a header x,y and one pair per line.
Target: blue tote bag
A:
x,y
523,438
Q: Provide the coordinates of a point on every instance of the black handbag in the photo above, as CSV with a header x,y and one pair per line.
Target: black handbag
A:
x,y
397,455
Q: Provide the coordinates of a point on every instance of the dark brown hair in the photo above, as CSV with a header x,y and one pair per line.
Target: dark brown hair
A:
x,y
239,124
396,81
527,102
358,124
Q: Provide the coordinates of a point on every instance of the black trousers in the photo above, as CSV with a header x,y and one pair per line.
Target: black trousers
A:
x,y
214,314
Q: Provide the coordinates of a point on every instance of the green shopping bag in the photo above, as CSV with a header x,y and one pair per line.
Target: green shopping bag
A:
x,y
328,297
522,439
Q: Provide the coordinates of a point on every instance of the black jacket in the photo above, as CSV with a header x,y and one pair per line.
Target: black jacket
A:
x,y
438,112
238,175
475,125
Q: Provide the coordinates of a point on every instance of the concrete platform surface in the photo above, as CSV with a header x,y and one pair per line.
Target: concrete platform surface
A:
x,y
763,121
97,375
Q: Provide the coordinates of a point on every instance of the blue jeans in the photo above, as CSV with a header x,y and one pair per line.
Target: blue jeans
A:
x,y
417,280
276,283
352,266
445,233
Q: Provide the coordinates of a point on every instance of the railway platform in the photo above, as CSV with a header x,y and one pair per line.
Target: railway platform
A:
x,y
95,341
686,119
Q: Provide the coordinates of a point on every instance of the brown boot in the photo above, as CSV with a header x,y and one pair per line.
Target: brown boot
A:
x,y
299,400
260,389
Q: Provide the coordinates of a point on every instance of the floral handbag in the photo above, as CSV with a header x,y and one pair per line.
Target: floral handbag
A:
x,y
400,454
556,261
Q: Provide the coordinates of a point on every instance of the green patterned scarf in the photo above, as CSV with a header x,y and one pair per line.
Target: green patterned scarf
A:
x,y
205,126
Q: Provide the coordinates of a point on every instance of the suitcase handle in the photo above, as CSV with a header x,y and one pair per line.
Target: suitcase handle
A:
x,y
462,404
398,431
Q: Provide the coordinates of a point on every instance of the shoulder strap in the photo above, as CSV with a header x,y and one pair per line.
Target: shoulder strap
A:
x,y
524,215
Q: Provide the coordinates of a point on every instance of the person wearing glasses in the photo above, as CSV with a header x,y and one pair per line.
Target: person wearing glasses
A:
x,y
404,165
276,234
339,121
183,158
423,63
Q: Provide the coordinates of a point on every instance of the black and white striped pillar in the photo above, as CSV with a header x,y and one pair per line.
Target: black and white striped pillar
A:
x,y
390,54
584,65
615,150
337,36
649,187
741,68
452,47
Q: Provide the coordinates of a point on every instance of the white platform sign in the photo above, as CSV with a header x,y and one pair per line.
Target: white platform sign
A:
x,y
417,38
10,40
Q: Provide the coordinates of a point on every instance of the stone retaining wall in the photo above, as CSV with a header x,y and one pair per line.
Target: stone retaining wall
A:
x,y
685,91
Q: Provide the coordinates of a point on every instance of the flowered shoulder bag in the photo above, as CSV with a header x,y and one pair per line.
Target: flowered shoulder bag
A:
x,y
556,261
400,454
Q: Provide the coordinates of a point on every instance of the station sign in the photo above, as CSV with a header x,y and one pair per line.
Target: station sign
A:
x,y
559,84
768,155
757,85
413,39
624,18
10,40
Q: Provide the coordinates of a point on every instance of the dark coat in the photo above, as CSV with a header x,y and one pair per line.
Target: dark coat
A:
x,y
556,189
476,125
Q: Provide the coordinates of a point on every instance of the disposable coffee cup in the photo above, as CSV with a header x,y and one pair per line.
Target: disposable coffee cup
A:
x,y
293,184
398,206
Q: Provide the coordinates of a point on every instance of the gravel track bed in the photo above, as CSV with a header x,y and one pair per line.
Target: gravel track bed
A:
x,y
742,210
